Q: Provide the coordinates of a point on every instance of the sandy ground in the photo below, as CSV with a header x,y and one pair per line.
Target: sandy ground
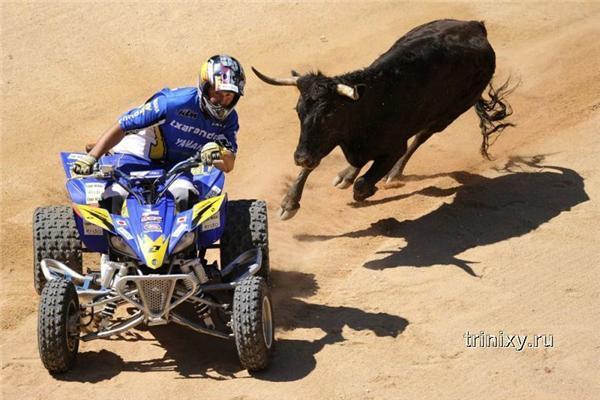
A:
x,y
373,301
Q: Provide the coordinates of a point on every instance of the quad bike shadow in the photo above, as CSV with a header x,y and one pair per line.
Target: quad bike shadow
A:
x,y
194,356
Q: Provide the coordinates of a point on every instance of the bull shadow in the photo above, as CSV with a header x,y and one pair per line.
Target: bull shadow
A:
x,y
193,355
484,211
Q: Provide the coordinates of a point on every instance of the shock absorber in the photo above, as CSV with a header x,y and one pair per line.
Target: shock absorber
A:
x,y
109,308
203,312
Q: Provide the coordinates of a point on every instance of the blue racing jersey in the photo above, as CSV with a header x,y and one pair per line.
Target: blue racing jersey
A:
x,y
171,127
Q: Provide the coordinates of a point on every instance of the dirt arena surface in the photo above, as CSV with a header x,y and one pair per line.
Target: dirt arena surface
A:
x,y
372,300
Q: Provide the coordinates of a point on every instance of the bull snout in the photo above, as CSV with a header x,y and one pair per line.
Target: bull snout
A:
x,y
305,160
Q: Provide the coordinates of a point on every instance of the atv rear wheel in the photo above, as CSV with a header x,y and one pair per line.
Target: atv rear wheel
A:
x,y
55,236
246,228
252,323
58,326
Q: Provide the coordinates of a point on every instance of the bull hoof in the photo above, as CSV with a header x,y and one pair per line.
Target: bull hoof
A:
x,y
341,183
287,214
289,208
362,190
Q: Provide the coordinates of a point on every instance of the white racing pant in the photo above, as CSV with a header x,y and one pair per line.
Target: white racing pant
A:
x,y
183,190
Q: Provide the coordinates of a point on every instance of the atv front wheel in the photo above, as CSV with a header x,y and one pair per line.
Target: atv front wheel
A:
x,y
246,228
58,326
252,323
55,236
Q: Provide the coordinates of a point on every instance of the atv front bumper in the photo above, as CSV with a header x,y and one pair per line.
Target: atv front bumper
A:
x,y
154,296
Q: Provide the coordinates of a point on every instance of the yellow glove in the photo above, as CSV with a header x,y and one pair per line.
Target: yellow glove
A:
x,y
85,165
210,152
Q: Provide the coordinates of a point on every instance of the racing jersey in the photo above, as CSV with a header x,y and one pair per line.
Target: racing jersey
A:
x,y
171,127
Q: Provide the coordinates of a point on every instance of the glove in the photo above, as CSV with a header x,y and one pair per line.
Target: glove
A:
x,y
85,165
210,152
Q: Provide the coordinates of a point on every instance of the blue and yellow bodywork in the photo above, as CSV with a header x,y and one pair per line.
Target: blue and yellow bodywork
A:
x,y
152,231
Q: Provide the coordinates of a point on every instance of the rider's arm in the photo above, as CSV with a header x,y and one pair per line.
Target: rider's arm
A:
x,y
107,141
226,162
228,142
151,112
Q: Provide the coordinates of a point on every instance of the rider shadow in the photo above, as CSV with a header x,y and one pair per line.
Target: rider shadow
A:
x,y
483,211
193,355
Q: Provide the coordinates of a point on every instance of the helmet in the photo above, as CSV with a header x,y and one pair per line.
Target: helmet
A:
x,y
222,73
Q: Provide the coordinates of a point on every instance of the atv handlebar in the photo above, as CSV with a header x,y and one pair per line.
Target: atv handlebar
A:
x,y
108,172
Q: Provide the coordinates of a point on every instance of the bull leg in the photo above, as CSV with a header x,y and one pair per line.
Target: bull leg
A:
x,y
397,170
291,202
364,186
346,177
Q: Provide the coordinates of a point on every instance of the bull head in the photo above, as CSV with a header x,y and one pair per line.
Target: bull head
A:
x,y
324,113
321,113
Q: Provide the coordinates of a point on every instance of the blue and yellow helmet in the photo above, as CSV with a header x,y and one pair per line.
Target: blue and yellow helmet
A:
x,y
222,73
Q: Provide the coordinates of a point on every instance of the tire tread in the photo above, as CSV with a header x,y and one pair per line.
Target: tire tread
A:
x,y
55,236
52,325
246,228
247,323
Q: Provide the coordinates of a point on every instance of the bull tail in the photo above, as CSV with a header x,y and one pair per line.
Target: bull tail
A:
x,y
492,114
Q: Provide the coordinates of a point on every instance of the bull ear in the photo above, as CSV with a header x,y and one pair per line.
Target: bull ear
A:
x,y
295,73
348,91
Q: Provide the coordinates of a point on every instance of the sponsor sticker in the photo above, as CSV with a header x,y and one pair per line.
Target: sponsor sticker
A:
x,y
123,232
214,191
91,229
179,230
197,171
93,192
74,156
151,218
152,227
212,223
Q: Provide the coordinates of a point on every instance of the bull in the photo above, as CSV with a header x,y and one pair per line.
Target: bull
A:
x,y
426,80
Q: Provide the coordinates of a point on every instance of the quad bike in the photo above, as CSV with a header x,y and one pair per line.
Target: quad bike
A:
x,y
153,266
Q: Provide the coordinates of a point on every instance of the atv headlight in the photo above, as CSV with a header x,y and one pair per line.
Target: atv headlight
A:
x,y
184,242
120,245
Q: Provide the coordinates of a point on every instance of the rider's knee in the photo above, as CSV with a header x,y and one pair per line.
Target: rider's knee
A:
x,y
185,194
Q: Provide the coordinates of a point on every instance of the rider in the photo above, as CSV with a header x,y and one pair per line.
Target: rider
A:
x,y
175,124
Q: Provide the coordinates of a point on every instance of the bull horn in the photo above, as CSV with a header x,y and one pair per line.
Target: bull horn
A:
x,y
347,91
276,81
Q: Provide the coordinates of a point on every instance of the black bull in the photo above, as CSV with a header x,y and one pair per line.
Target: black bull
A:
x,y
428,78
